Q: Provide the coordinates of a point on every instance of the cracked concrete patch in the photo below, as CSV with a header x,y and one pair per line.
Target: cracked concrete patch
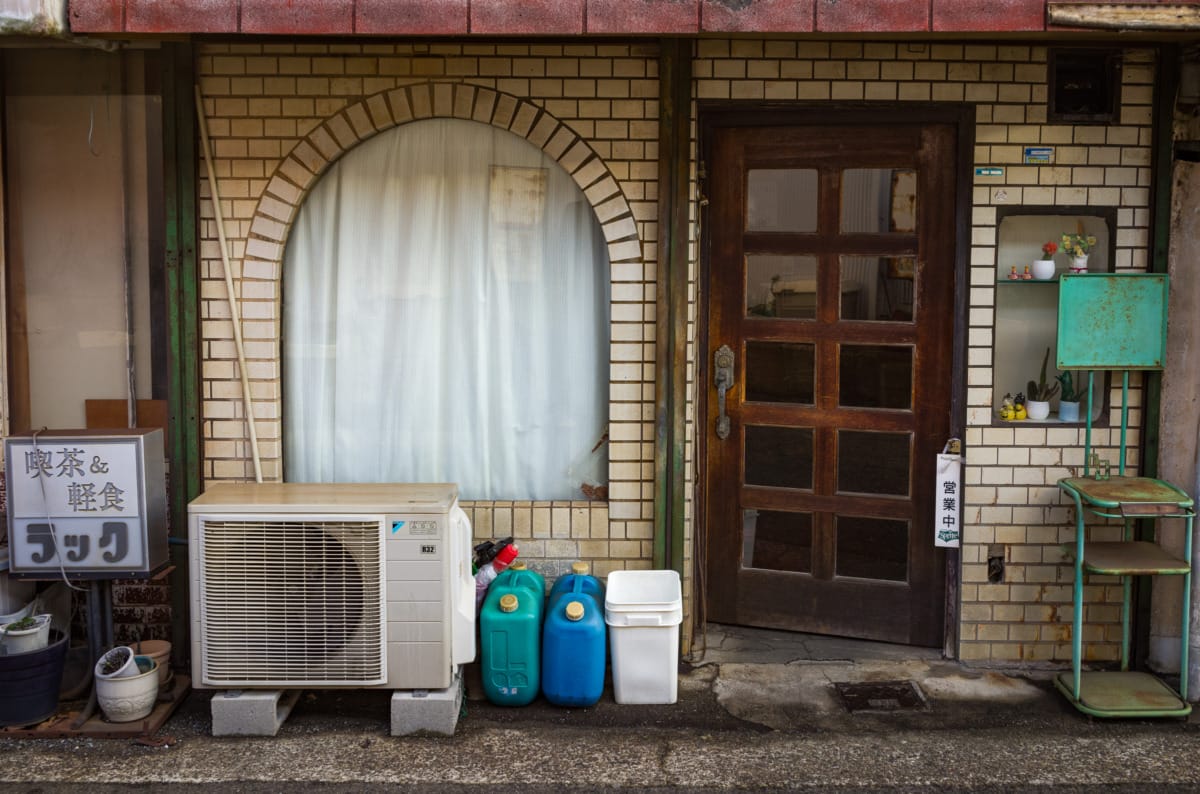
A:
x,y
988,686
802,696
778,696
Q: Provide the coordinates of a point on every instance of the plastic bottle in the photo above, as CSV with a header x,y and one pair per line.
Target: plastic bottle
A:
x,y
517,576
485,575
579,571
510,632
574,647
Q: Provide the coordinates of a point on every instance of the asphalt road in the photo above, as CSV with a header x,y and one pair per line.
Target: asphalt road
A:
x,y
340,742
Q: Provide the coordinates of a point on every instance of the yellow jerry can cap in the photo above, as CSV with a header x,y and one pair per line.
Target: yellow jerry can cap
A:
x,y
574,611
508,602
580,568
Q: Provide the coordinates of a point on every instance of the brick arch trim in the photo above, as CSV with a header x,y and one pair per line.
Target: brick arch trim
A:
x,y
300,169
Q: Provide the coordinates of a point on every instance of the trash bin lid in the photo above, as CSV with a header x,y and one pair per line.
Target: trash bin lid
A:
x,y
643,590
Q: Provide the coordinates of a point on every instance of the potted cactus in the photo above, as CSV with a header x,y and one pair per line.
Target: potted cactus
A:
x,y
1039,393
1068,403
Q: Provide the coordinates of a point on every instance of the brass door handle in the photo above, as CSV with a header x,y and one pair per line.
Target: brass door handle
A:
x,y
723,379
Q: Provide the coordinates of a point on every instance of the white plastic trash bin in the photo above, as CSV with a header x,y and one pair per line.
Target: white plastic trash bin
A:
x,y
643,610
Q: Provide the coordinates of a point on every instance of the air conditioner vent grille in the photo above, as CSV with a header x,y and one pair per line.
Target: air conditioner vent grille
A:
x,y
292,601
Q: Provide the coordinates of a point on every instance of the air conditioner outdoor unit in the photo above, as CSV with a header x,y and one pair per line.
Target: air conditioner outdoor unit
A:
x,y
330,585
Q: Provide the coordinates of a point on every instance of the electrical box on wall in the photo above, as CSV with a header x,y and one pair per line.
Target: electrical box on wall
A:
x,y
90,504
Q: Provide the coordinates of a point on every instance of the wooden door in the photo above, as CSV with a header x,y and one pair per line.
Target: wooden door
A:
x,y
831,285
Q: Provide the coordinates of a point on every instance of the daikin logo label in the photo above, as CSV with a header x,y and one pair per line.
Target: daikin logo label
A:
x,y
397,526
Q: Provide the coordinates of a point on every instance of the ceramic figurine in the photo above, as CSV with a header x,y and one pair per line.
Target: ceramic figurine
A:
x,y
1012,275
1007,409
1019,406
1027,276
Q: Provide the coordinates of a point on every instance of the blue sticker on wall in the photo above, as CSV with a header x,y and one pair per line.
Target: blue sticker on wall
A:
x,y
1039,155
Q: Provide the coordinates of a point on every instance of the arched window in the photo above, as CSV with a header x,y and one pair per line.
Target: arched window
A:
x,y
445,319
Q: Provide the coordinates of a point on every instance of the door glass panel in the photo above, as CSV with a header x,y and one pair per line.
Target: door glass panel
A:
x,y
878,288
873,462
777,540
780,457
781,286
781,200
875,376
877,200
872,548
779,372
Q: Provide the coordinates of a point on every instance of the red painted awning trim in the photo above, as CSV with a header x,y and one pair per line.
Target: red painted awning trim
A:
x,y
560,17
549,17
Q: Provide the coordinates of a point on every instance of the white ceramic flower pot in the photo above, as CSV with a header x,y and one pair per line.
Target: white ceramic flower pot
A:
x,y
1043,269
131,698
1037,409
128,669
25,640
1079,264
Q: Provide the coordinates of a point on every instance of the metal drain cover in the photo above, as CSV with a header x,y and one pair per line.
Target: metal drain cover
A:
x,y
881,696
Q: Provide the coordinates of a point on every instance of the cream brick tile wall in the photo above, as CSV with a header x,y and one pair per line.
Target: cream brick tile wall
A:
x,y
279,113
1011,497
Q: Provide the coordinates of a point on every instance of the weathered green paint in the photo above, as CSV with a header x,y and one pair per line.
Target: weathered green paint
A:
x,y
1122,694
1114,492
1118,321
182,294
1112,321
1161,153
1124,496
1166,84
675,79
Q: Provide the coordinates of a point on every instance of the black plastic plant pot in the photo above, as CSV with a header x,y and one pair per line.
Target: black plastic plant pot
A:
x,y
29,682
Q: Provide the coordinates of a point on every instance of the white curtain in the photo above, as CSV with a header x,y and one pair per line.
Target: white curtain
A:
x,y
445,318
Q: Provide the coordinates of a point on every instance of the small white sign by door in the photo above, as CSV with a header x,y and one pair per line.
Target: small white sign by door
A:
x,y
948,497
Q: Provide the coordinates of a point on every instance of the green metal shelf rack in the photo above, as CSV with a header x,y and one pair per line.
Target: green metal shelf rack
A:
x,y
1117,321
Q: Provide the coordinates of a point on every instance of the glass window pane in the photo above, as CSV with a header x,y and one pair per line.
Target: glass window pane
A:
x,y
781,286
875,376
779,457
879,288
877,200
779,372
872,548
777,540
873,462
781,200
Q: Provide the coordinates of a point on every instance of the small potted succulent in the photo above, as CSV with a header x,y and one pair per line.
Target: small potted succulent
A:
x,y
25,634
1068,403
1043,269
117,663
1040,393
